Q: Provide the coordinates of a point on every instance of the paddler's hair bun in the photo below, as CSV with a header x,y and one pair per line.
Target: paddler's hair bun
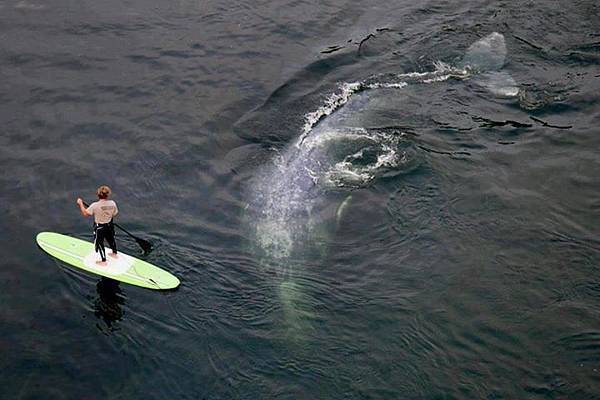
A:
x,y
103,192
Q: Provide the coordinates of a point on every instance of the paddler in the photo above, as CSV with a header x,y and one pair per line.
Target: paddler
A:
x,y
103,210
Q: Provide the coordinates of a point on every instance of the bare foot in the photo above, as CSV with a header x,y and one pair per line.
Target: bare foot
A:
x,y
101,263
114,255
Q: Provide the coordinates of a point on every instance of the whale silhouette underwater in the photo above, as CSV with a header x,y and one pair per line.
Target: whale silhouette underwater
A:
x,y
334,152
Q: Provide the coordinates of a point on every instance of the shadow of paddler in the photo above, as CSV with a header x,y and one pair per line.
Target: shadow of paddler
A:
x,y
107,305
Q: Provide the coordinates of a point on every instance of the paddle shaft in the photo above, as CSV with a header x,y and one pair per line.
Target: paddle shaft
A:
x,y
144,244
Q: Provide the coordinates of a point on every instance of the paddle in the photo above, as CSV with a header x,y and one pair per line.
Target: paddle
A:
x,y
144,244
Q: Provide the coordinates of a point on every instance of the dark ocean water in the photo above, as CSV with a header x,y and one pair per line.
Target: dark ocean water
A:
x,y
446,246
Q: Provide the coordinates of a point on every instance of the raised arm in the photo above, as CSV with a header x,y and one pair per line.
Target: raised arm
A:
x,y
84,212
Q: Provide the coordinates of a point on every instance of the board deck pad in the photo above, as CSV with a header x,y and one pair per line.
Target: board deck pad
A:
x,y
125,268
114,266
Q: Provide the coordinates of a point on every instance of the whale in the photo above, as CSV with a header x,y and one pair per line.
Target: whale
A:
x,y
290,198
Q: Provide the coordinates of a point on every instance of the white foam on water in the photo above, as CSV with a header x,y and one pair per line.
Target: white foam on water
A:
x,y
338,99
352,172
332,103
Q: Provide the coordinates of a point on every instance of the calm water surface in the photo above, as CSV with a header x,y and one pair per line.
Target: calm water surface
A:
x,y
343,229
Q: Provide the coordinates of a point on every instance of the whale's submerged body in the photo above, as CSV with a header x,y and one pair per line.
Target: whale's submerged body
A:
x,y
333,150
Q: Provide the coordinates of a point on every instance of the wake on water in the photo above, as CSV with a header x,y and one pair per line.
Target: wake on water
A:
x,y
376,151
288,194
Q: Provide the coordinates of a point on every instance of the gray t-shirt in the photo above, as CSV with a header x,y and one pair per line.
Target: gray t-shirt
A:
x,y
103,211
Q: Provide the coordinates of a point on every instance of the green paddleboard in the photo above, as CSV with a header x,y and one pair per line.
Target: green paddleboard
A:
x,y
124,268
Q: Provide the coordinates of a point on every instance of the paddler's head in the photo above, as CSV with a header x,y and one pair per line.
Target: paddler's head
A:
x,y
103,192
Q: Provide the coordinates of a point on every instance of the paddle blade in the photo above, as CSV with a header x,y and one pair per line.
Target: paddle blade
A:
x,y
145,245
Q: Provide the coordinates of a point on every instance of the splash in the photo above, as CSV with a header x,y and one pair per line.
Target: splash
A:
x,y
345,91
